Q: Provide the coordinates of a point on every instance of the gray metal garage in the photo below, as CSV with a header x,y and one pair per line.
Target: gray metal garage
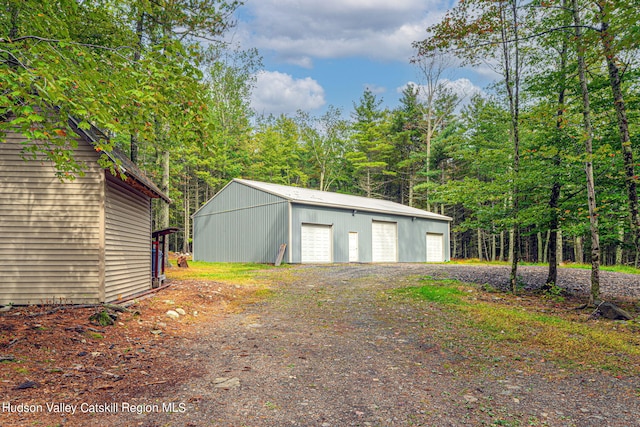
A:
x,y
248,221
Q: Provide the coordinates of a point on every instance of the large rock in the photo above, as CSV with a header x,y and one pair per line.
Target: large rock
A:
x,y
613,312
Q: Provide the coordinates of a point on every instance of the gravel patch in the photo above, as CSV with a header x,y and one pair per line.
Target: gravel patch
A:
x,y
574,280
327,351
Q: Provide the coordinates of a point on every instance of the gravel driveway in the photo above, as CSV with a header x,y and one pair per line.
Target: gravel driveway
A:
x,y
328,351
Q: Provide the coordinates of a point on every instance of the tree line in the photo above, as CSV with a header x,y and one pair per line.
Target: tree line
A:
x,y
541,166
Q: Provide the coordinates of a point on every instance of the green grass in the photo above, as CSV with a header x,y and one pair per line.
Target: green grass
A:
x,y
505,326
614,268
445,292
223,272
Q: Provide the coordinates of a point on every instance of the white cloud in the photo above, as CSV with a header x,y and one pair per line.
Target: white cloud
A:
x,y
463,87
375,89
299,30
279,93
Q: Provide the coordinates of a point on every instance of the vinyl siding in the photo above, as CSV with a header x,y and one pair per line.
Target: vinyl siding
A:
x,y
49,230
127,242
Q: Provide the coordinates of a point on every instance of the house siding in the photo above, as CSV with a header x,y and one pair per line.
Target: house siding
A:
x,y
127,241
240,224
49,233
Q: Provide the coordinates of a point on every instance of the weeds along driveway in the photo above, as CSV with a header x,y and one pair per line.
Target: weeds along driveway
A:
x,y
334,347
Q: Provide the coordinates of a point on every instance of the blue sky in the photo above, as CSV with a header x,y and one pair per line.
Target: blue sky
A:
x,y
318,53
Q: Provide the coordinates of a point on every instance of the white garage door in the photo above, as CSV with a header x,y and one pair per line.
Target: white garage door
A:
x,y
316,243
435,247
384,239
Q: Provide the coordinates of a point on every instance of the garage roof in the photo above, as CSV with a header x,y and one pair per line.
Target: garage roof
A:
x,y
306,196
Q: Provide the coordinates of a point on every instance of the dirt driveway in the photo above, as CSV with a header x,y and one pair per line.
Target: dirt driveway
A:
x,y
329,350
332,346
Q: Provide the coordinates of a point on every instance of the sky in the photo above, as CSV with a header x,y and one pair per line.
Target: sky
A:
x,y
318,53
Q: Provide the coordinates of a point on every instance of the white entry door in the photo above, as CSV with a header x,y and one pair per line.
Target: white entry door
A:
x,y
435,247
384,241
316,243
354,252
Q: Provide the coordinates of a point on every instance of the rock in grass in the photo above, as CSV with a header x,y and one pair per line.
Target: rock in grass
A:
x,y
611,311
27,384
173,314
227,383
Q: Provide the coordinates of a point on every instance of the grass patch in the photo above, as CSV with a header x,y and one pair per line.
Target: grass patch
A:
x,y
218,271
94,335
444,292
512,325
613,268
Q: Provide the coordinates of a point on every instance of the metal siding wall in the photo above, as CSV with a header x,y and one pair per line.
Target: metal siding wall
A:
x,y
127,242
411,233
49,230
240,224
343,222
412,238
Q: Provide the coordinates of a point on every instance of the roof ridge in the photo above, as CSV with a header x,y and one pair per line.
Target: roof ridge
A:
x,y
340,200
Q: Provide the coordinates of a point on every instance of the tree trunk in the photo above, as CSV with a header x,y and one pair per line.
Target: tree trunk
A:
x,y
164,186
512,84
455,245
578,250
412,179
546,247
187,212
623,127
14,31
540,246
480,244
133,154
554,199
588,167
620,244
559,248
493,246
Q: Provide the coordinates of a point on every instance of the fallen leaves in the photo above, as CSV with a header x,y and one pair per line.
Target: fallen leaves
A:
x,y
73,361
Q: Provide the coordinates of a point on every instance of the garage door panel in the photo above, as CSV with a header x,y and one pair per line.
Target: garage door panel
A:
x,y
435,247
316,243
384,239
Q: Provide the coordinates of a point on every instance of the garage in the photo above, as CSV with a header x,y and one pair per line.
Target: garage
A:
x,y
316,243
384,241
435,247
251,221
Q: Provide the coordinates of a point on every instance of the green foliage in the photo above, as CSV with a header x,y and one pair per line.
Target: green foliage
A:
x,y
102,318
82,60
371,150
554,292
141,71
277,154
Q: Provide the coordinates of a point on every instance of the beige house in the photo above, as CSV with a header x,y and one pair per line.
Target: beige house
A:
x,y
73,242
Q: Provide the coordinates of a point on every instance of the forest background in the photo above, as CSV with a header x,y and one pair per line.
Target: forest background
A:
x,y
540,167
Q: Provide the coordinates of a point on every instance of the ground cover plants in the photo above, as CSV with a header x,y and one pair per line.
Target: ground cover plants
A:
x,y
500,323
